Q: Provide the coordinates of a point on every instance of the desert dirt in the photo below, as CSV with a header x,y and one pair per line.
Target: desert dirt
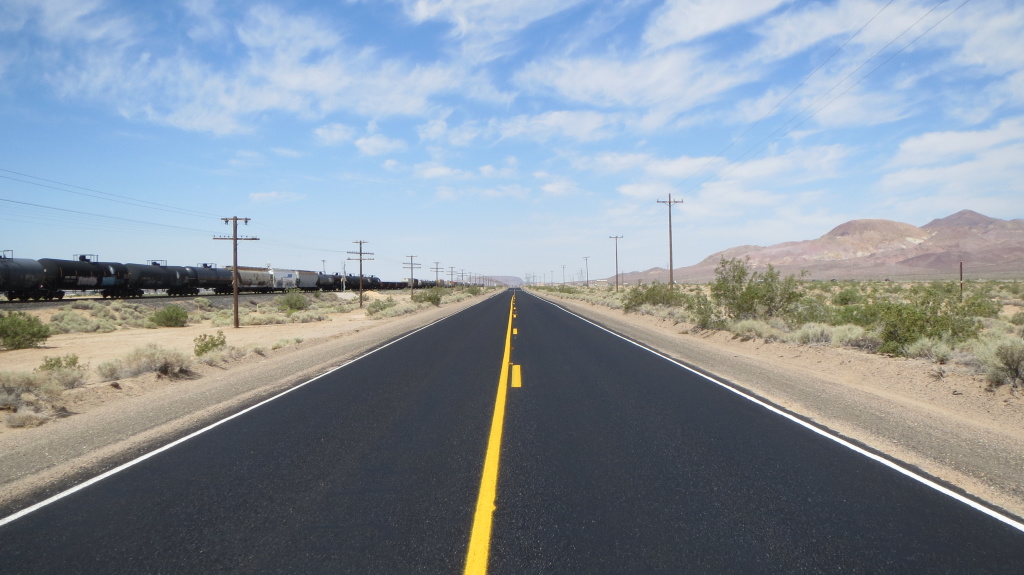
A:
x,y
943,423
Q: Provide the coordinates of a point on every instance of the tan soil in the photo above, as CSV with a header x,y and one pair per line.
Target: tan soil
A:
x,y
950,427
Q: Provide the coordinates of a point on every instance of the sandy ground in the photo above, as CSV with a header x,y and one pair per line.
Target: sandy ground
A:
x,y
949,427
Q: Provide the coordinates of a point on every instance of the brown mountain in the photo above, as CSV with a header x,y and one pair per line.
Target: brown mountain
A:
x,y
880,249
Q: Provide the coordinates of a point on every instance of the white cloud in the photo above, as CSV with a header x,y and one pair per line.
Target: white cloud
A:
x,y
685,20
246,159
683,166
647,190
331,134
430,170
507,191
275,197
378,144
287,153
666,83
206,25
936,147
506,171
485,28
390,164
556,185
580,126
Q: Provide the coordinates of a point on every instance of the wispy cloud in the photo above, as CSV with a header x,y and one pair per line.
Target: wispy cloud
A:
x,y
686,20
275,197
378,144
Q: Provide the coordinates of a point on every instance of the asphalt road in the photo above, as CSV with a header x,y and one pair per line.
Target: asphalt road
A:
x,y
612,460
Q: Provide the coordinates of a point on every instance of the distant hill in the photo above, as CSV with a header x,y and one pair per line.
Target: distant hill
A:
x,y
880,249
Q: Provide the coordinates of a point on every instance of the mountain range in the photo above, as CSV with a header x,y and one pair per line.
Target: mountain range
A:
x,y
990,248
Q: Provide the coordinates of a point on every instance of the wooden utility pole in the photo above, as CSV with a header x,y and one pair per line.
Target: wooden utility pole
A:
x,y
411,266
586,262
616,238
451,276
671,278
234,258
437,271
362,257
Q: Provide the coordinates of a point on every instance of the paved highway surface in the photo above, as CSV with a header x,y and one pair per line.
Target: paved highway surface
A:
x,y
607,459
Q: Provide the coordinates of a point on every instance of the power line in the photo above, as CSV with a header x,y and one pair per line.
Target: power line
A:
x,y
102,216
768,140
130,201
787,96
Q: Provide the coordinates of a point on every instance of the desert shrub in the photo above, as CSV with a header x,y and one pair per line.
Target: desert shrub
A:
x,y
1004,363
811,309
743,294
170,316
73,322
706,315
202,302
378,306
148,359
981,304
62,372
205,343
651,294
19,330
847,296
432,296
26,419
286,342
69,361
812,334
294,300
473,290
931,348
307,317
397,310
755,329
1017,318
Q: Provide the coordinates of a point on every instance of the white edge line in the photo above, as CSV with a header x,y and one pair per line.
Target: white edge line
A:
x,y
888,463
15,516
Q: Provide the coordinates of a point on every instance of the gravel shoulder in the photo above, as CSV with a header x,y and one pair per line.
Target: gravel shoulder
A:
x,y
112,425
948,427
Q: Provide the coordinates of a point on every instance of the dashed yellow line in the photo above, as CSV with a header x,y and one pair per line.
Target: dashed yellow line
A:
x,y
480,539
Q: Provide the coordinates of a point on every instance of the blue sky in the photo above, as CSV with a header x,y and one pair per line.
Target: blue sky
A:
x,y
502,138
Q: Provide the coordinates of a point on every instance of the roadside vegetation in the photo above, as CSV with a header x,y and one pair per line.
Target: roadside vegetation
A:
x,y
983,331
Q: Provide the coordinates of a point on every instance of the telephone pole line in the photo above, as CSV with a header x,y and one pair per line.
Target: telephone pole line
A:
x,y
411,266
437,271
362,257
451,276
616,238
586,262
234,258
671,277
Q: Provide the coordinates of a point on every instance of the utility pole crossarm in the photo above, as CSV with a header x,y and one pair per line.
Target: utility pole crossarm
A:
x,y
361,258
234,260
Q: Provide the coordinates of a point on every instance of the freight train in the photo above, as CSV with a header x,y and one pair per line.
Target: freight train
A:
x,y
24,279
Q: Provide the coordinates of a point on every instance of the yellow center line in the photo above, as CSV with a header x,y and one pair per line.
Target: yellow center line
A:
x,y
480,539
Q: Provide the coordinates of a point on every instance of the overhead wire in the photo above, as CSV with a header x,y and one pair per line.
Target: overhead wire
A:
x,y
768,140
103,216
750,128
123,199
